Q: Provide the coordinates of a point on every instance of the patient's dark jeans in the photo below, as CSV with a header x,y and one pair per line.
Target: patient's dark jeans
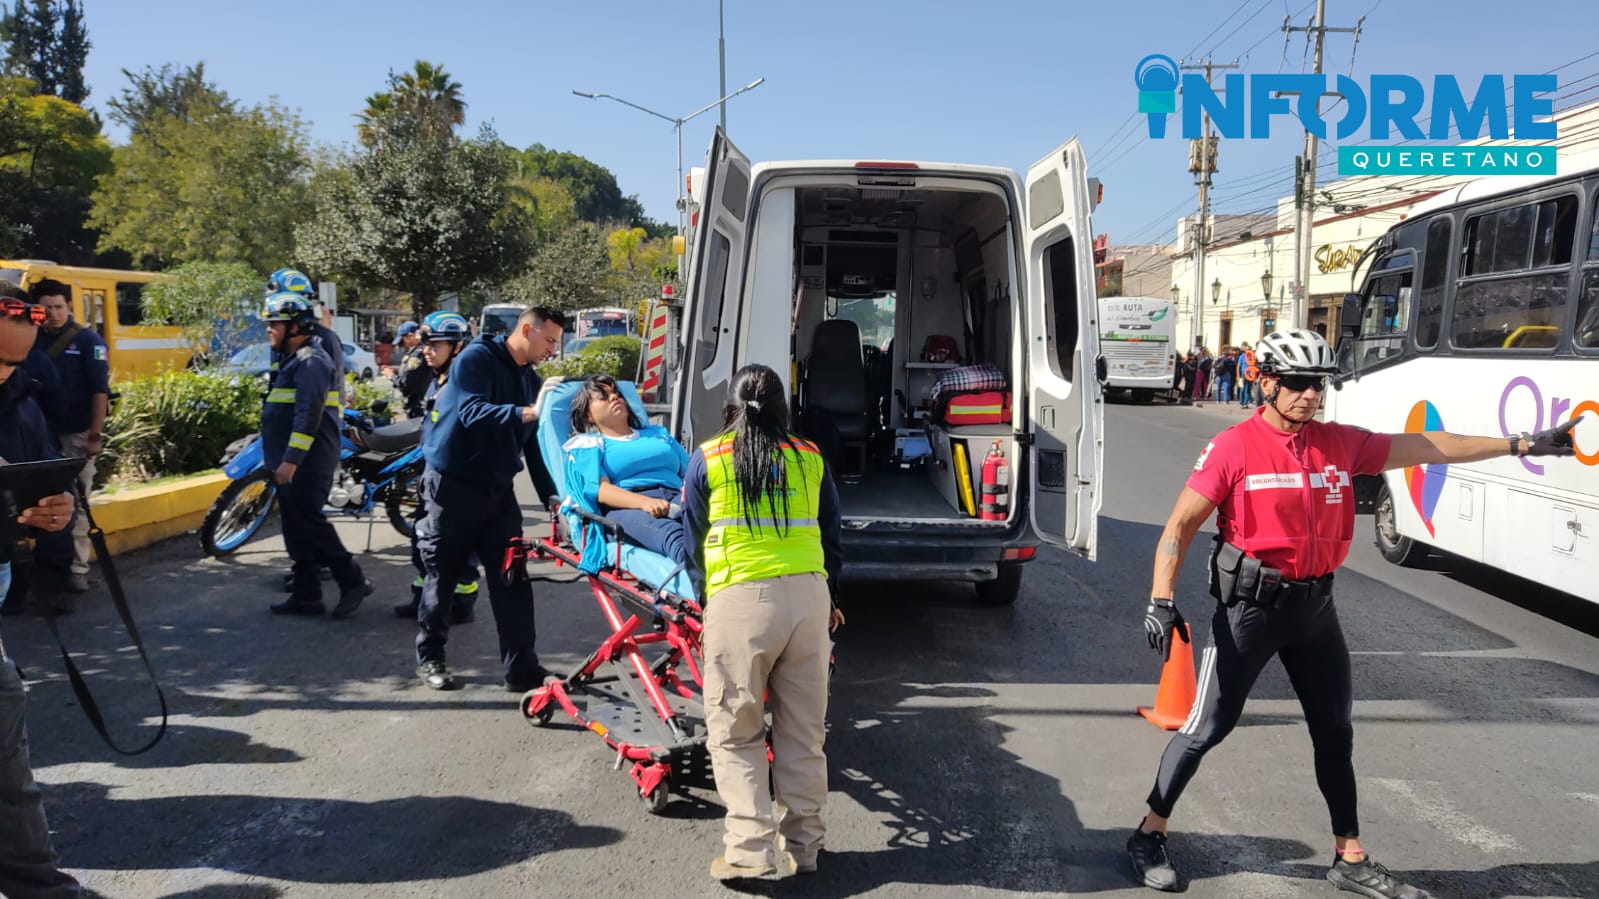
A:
x,y
658,535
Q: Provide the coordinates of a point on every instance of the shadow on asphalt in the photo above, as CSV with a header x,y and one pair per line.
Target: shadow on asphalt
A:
x,y
328,841
962,809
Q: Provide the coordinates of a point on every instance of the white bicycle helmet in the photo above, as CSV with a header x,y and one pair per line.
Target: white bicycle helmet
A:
x,y
1295,352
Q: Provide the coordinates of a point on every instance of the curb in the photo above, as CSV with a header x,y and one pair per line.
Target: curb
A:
x,y
140,516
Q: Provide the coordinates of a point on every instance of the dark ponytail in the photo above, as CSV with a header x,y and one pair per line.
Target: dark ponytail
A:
x,y
756,413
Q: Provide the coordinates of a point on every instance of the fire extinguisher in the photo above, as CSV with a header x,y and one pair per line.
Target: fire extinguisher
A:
x,y
996,485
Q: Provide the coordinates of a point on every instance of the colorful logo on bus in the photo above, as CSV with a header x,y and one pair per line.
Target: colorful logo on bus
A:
x,y
1425,482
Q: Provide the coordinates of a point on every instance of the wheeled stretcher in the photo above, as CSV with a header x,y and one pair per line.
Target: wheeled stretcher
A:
x,y
640,689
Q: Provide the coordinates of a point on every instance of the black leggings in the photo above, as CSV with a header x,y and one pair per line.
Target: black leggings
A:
x,y
1307,638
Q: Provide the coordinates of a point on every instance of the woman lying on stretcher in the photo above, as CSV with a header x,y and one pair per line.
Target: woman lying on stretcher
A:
x,y
630,471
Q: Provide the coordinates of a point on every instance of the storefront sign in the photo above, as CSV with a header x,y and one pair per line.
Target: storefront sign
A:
x,y
1332,259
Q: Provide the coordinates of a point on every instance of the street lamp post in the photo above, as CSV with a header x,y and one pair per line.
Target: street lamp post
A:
x,y
677,124
1265,292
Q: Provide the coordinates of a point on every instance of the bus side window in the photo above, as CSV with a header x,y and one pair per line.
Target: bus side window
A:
x,y
1586,334
1384,320
1515,276
130,303
1434,281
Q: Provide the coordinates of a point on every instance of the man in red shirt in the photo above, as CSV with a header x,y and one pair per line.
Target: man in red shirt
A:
x,y
1281,484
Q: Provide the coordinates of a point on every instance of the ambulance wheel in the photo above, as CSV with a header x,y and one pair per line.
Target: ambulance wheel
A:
x,y
1395,547
1002,590
655,800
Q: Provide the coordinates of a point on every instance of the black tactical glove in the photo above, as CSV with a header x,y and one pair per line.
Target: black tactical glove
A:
x,y
1556,441
1161,621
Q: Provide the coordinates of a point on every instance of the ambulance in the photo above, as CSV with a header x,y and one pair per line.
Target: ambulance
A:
x,y
927,316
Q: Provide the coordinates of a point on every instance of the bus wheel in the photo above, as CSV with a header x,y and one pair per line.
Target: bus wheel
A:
x,y
1395,547
1002,590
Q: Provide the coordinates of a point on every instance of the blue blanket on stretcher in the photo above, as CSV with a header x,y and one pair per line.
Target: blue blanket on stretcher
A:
x,y
598,550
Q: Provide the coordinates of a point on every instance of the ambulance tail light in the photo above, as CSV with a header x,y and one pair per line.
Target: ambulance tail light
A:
x,y
887,173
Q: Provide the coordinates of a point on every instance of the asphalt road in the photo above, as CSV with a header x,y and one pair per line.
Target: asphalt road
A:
x,y
973,752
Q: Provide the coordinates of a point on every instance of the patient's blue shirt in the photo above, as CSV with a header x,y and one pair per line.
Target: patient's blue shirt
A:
x,y
649,458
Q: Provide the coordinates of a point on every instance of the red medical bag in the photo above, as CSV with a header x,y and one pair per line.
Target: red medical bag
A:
x,y
990,407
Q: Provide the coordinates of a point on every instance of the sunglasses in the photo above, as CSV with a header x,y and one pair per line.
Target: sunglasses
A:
x,y
1302,383
17,309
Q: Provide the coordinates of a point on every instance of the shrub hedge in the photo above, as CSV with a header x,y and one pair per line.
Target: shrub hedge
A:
x,y
616,356
178,422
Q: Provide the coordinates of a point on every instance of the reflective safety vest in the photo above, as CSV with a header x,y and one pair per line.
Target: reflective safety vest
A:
x,y
738,549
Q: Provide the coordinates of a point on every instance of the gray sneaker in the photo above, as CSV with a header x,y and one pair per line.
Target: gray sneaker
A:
x,y
1152,864
1368,878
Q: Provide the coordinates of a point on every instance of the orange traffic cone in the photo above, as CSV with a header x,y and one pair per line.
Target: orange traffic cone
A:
x,y
1174,698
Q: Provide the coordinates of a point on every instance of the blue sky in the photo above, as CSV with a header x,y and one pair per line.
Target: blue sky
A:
x,y
998,83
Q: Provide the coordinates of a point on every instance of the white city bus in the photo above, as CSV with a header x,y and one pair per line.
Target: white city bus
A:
x,y
1480,315
1138,338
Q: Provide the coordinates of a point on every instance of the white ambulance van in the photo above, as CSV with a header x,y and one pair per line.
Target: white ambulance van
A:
x,y
925,315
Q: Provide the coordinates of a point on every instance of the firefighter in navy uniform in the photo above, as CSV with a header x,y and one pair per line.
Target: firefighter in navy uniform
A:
x,y
1279,483
413,375
443,335
300,445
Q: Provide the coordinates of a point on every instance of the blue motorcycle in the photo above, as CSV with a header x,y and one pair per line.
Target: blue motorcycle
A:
x,y
378,466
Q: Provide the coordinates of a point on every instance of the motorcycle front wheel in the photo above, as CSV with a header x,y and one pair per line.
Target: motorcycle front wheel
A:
x,y
238,513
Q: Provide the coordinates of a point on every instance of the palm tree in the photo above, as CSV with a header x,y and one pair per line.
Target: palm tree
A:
x,y
368,128
426,98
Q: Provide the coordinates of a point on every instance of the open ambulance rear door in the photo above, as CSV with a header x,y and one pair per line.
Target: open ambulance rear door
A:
x,y
1065,410
710,306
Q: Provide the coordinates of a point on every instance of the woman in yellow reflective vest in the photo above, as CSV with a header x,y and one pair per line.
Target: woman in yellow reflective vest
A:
x,y
762,521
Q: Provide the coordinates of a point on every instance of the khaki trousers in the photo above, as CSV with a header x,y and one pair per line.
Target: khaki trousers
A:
x,y
769,638
76,446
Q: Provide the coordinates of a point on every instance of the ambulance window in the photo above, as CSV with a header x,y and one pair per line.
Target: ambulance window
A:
x,y
130,303
715,286
1060,306
736,192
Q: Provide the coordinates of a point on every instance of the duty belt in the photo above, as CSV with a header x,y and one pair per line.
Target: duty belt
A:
x,y
1276,592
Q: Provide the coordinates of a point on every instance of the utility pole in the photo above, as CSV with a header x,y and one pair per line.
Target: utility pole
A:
x,y
1305,198
1202,163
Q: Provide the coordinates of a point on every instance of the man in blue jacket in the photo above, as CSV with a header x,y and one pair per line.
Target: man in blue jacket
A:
x,y
83,368
28,863
300,445
481,433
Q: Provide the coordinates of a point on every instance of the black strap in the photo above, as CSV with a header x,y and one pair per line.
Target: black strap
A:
x,y
91,709
64,340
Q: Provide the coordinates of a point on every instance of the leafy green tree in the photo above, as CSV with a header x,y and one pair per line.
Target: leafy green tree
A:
x,y
222,185
167,91
51,152
46,41
595,195
212,302
570,271
639,264
419,213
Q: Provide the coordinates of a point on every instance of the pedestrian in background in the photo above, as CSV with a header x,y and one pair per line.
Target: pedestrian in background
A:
x,y
763,523
1248,374
83,369
1281,485
413,375
481,433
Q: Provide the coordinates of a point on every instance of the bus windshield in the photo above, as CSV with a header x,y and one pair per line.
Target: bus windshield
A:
x,y
498,321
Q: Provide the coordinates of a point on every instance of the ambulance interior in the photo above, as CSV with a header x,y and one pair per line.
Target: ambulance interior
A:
x,y
899,289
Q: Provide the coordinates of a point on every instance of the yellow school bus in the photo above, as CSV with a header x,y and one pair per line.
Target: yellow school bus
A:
x,y
109,301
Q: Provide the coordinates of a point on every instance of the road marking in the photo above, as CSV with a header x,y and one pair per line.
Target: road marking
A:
x,y
1445,815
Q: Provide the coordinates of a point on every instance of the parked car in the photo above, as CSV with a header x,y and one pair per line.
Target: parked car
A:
x,y
361,363
576,345
256,360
